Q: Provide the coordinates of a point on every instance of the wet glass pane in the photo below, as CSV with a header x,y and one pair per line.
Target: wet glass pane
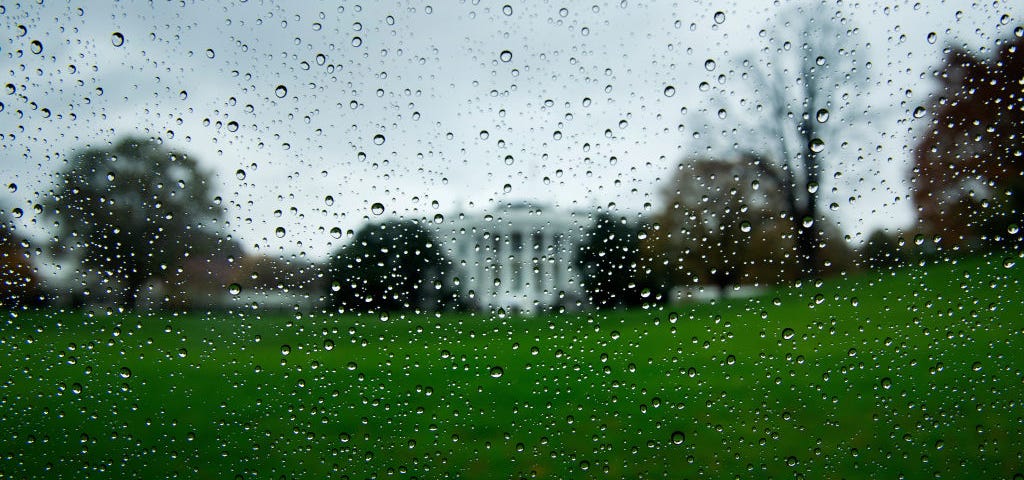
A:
x,y
527,240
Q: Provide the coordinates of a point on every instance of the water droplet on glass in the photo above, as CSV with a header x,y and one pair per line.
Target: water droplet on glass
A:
x,y
919,112
286,349
719,17
281,91
497,372
279,232
787,333
678,437
356,41
117,39
932,38
336,232
13,187
125,372
709,65
507,10
816,145
234,289
507,188
328,344
329,200
232,126
886,383
36,46
210,53
808,222
670,91
377,208
240,174
745,227
378,139
438,218
505,56
822,115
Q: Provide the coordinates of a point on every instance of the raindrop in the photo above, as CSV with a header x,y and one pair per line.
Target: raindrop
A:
x,y
509,160
281,91
377,208
329,200
210,53
484,135
336,232
919,112
886,383
678,437
497,372
719,17
125,372
932,38
507,10
117,39
507,188
13,187
670,91
976,366
328,344
745,227
378,139
816,145
232,126
279,232
505,56
356,41
36,46
822,115
240,174
286,349
234,289
710,65
787,333
438,218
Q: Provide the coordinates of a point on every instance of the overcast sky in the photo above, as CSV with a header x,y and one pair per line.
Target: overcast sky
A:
x,y
441,108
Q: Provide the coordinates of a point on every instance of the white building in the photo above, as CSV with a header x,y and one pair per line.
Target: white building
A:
x,y
517,257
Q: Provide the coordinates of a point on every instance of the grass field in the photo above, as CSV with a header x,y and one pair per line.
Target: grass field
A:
x,y
914,373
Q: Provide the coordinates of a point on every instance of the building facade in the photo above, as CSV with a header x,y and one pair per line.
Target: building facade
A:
x,y
517,257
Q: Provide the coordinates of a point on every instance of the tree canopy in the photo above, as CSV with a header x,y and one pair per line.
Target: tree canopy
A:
x,y
132,212
392,266
968,174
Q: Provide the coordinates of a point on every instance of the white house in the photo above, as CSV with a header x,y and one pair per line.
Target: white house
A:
x,y
517,257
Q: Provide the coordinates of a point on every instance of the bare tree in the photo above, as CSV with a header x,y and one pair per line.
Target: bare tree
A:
x,y
807,85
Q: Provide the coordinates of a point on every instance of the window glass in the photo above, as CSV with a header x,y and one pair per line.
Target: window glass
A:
x,y
467,239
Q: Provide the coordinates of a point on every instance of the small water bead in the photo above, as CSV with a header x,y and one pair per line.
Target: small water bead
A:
x,y
377,208
281,91
117,39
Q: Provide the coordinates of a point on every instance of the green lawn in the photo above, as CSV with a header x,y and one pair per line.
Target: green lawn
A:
x,y
913,373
